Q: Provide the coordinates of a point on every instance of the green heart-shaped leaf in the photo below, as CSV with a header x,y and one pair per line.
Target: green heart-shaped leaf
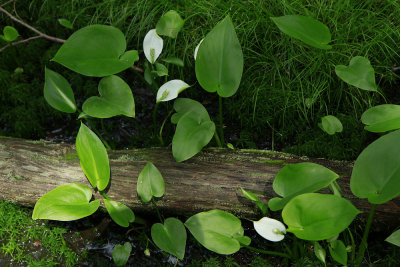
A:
x,y
9,34
58,93
376,172
66,203
170,237
66,23
219,60
394,238
174,60
121,253
338,252
93,157
216,230
116,99
296,179
315,216
170,24
191,135
120,213
185,105
96,50
306,29
382,118
359,73
331,125
150,183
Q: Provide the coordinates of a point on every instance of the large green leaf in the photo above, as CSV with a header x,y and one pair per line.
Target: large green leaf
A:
x,y
382,118
331,125
306,29
96,50
296,179
121,253
150,183
170,237
58,93
359,73
93,157
120,213
115,99
394,238
9,34
185,105
314,216
216,230
66,203
219,61
376,172
170,24
191,135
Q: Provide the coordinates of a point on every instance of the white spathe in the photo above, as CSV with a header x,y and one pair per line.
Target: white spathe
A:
x,y
170,90
271,229
152,42
197,49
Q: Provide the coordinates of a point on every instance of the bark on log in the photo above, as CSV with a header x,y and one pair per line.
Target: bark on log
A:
x,y
210,180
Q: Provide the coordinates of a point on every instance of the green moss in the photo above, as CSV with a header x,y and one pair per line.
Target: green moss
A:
x,y
71,157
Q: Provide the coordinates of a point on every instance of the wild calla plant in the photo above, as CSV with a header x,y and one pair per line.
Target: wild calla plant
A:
x,y
382,118
331,125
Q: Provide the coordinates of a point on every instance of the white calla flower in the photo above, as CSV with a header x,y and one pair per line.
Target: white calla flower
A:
x,y
152,46
270,229
197,49
170,90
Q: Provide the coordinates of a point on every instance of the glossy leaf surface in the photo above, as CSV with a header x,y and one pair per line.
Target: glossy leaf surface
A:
x,y
58,93
152,46
170,237
170,24
376,172
170,90
66,23
66,203
115,99
121,253
219,60
93,157
338,251
359,73
96,50
331,125
9,34
315,216
120,213
296,179
394,238
306,29
150,183
185,105
216,230
382,118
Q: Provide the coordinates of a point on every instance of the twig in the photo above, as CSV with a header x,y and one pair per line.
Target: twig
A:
x,y
20,42
6,3
43,35
137,69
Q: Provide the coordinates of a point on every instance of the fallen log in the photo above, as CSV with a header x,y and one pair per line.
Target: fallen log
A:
x,y
210,180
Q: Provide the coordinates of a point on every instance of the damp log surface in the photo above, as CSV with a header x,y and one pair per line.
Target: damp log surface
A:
x,y
210,180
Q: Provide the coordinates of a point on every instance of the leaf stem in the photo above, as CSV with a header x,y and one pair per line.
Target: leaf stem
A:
x,y
155,118
363,244
162,127
221,123
98,134
104,195
268,252
158,212
217,139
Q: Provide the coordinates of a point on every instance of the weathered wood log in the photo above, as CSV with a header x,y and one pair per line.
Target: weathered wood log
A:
x,y
210,180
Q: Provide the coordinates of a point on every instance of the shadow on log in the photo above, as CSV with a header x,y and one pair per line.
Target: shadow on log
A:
x,y
210,180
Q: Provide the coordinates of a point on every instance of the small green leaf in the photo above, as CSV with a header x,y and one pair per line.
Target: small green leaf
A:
x,y
170,90
185,105
338,251
148,75
115,99
376,172
161,70
216,230
66,203
306,29
394,238
93,157
150,183
382,118
120,213
170,24
253,197
230,146
359,73
296,179
58,93
174,60
96,50
66,23
191,135
152,46
331,125
9,34
219,60
170,237
315,216
121,253
320,252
